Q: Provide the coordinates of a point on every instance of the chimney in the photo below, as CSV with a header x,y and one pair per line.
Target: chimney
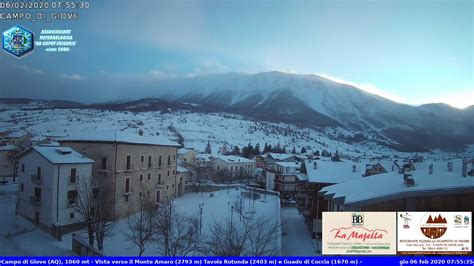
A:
x,y
354,168
315,165
464,167
430,169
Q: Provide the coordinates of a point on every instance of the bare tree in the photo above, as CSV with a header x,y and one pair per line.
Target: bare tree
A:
x,y
228,238
264,238
255,236
203,172
179,233
95,206
103,216
85,205
143,224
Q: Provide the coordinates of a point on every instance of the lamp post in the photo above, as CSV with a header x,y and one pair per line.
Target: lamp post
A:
x,y
201,206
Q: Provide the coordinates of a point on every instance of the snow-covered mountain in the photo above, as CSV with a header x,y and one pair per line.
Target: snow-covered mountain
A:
x,y
314,101
306,101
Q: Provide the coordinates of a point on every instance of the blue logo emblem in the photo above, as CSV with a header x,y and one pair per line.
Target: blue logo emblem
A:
x,y
18,41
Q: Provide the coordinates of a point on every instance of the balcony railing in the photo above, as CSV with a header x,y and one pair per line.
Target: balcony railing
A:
x,y
36,179
35,200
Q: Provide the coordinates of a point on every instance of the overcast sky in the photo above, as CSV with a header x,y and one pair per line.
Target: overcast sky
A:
x,y
409,51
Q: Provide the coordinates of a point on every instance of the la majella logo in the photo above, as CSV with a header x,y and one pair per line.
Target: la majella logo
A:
x,y
18,41
433,225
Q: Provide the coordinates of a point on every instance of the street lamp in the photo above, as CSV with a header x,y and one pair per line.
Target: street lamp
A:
x,y
201,206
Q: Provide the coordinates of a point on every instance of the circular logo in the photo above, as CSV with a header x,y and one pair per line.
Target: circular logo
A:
x,y
433,225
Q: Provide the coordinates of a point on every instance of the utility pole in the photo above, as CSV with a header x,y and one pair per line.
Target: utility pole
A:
x,y
201,206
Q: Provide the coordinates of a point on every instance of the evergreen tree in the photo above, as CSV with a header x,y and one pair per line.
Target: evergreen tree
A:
x,y
317,153
303,150
265,148
293,151
236,151
257,149
208,148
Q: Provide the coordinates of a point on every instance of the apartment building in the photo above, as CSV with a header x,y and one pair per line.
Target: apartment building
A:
x,y
283,177
235,166
133,165
47,178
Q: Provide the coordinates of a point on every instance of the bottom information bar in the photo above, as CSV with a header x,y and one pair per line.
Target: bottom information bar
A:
x,y
366,261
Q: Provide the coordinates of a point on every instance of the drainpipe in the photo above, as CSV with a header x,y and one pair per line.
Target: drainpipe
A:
x,y
115,173
57,196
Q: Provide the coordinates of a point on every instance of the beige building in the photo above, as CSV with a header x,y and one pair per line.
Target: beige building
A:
x,y
189,156
7,153
235,166
131,164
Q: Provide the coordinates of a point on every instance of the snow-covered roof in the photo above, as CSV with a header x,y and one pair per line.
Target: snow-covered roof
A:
x,y
280,156
289,164
333,172
16,134
118,136
38,138
391,184
61,155
181,169
232,159
8,148
184,150
204,157
302,177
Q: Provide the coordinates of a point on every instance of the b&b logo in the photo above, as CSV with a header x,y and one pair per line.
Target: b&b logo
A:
x,y
357,219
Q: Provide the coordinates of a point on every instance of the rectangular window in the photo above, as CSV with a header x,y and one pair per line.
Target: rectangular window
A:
x,y
71,215
22,187
159,178
23,168
71,196
169,159
149,176
141,177
159,161
174,157
72,179
142,159
141,194
128,162
149,161
174,172
38,172
127,185
148,192
104,163
168,173
38,192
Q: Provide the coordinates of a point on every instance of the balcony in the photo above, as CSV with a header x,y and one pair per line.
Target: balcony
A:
x,y
36,201
36,179
160,185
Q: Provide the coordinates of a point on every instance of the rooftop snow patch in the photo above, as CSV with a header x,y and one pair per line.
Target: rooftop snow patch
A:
x,y
8,148
118,136
391,184
61,155
232,159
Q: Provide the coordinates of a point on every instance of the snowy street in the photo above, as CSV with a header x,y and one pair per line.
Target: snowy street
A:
x,y
296,237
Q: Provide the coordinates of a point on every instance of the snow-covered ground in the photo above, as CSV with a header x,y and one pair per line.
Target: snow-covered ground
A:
x,y
197,129
296,237
19,237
